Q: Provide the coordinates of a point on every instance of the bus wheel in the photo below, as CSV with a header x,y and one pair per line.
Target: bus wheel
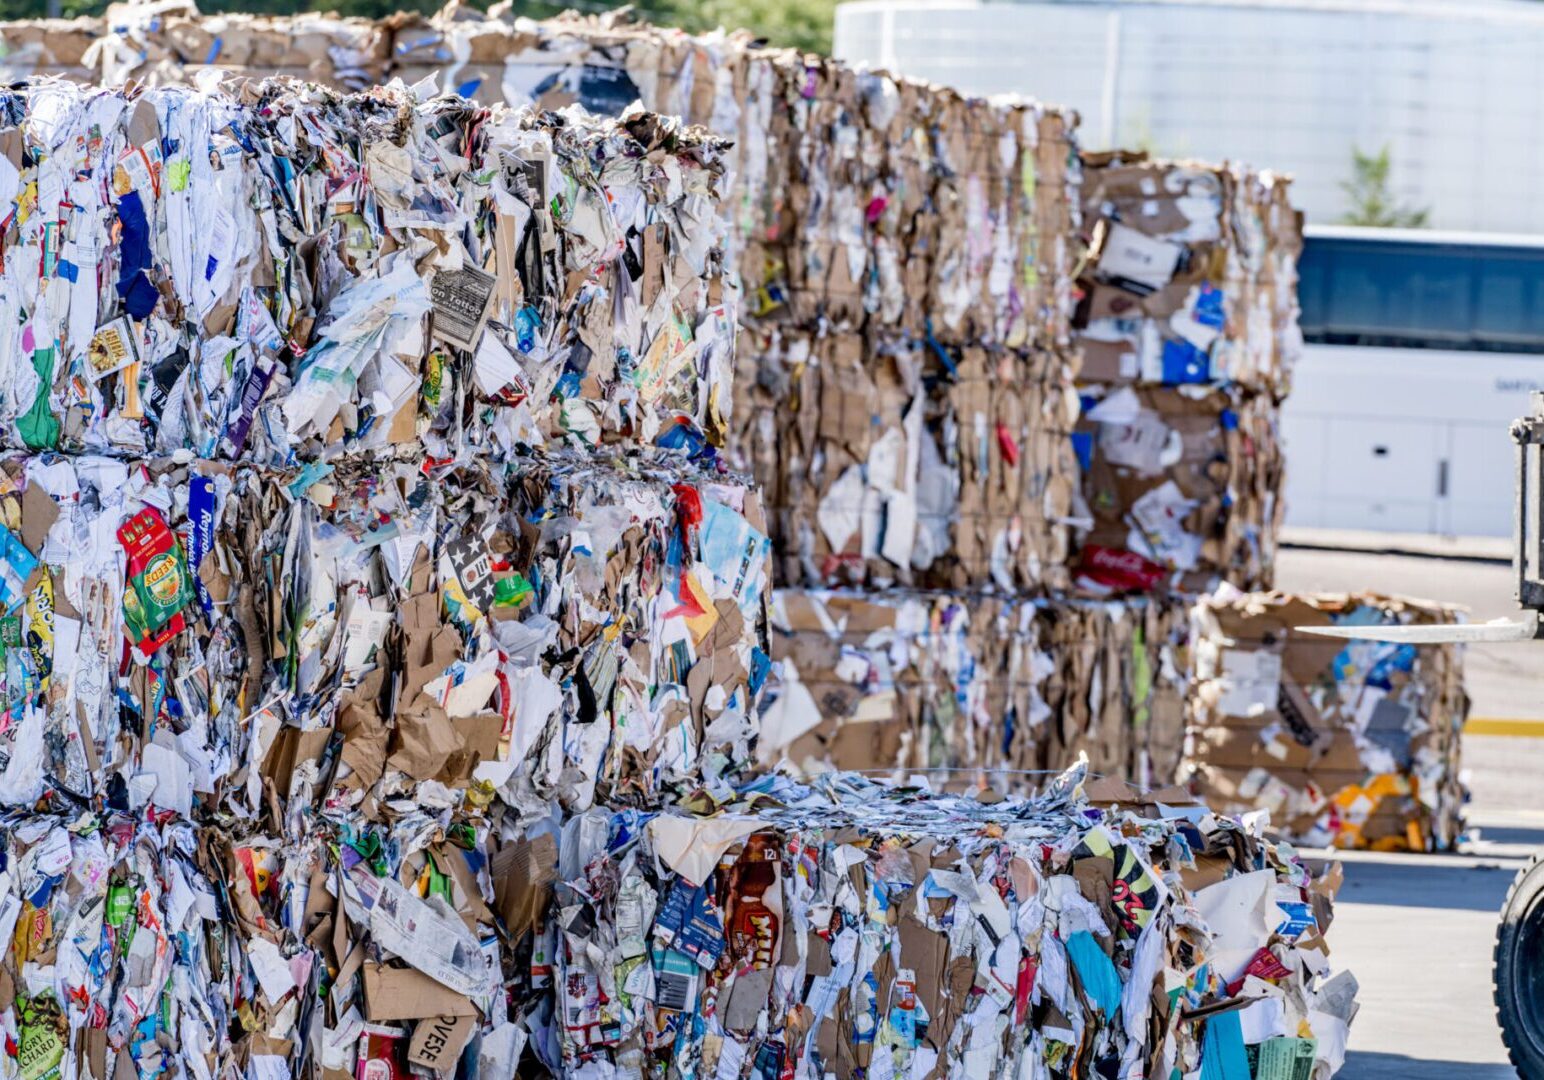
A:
x,y
1519,971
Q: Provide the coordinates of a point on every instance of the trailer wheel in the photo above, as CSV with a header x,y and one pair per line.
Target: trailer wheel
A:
x,y
1519,972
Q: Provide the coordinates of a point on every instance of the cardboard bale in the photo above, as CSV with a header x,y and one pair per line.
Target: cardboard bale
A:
x,y
1352,743
434,275
969,688
819,926
1183,491
883,466
1192,274
60,47
571,626
860,199
1187,325
157,45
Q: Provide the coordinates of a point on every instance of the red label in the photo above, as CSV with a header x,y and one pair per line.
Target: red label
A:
x,y
1263,966
1007,445
1122,570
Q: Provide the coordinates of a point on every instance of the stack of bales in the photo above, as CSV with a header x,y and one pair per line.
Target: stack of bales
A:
x,y
337,549
979,376
907,387
383,636
1188,328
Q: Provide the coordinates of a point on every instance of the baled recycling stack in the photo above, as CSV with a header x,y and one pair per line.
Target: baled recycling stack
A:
x,y
59,47
905,385
1188,328
160,44
906,255
367,566
904,391
1351,743
360,507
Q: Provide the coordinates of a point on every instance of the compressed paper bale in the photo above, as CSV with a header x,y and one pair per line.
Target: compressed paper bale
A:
x,y
830,172
1184,492
1194,274
1354,743
569,627
882,465
160,47
262,925
61,47
1188,333
371,272
818,927
972,687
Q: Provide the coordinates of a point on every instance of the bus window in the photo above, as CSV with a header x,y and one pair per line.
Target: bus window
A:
x,y
1417,295
1310,291
1420,292
1509,299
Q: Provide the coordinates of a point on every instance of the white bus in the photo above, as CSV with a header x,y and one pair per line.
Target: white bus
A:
x,y
1421,348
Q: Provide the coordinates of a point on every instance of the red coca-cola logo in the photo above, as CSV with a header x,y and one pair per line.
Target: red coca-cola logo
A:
x,y
1120,569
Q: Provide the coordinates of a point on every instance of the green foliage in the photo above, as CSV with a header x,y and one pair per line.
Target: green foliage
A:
x,y
802,24
1372,203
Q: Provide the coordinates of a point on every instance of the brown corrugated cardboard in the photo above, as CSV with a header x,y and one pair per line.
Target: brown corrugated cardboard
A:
x,y
1355,743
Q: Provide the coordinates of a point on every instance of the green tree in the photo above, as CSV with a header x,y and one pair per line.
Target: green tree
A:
x,y
1372,203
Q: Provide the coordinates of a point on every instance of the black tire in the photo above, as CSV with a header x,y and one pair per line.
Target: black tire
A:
x,y
1519,972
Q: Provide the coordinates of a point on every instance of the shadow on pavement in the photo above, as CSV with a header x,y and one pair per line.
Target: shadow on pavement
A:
x,y
1362,1065
1460,888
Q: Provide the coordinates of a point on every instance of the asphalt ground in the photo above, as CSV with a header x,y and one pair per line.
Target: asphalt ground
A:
x,y
1418,930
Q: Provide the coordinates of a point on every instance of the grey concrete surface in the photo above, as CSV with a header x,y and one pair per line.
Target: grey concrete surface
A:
x,y
1418,933
1506,778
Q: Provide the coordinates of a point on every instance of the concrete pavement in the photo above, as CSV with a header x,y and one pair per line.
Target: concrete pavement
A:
x,y
1418,934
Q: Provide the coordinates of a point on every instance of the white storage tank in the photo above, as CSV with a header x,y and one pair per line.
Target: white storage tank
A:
x,y
1455,89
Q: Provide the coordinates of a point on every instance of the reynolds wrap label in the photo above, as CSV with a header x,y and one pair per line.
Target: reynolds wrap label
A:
x,y
201,516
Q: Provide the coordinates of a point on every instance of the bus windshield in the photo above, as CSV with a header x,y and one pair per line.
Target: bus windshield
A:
x,y
1416,294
